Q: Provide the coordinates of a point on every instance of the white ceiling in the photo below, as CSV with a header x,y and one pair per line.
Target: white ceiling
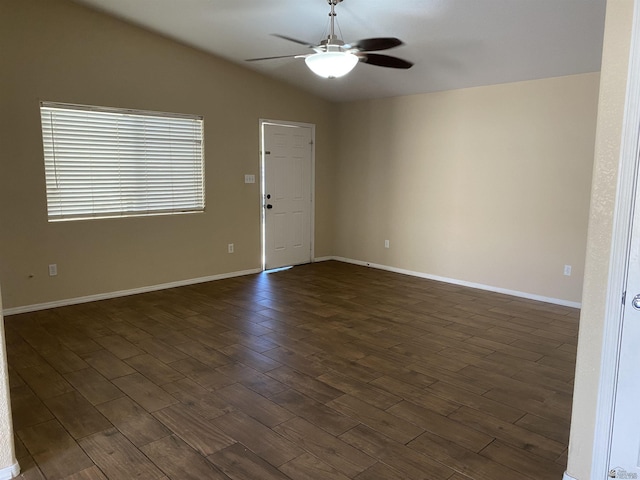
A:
x,y
453,43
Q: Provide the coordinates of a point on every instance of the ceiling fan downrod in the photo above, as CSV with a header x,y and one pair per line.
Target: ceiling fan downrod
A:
x,y
333,40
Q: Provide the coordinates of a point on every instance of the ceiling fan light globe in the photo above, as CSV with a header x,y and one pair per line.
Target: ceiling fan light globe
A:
x,y
331,64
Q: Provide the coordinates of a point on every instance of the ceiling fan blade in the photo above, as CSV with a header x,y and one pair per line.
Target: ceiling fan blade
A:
x,y
375,44
270,58
384,61
295,40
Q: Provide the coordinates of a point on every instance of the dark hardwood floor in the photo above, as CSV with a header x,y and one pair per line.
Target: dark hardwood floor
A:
x,y
327,371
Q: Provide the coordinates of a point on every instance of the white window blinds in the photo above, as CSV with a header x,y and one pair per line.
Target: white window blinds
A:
x,y
103,162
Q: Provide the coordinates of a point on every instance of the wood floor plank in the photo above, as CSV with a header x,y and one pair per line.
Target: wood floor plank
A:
x,y
380,471
269,445
93,386
306,365
133,421
335,452
390,425
256,343
29,470
200,433
509,433
499,410
553,429
77,415
180,461
203,353
153,369
260,383
460,459
542,408
20,450
159,349
78,343
117,345
198,399
348,367
315,412
254,405
128,331
54,450
369,393
441,425
41,340
525,463
240,463
416,394
253,359
44,380
27,409
310,467
454,378
309,386
146,393
15,380
107,364
91,473
117,457
65,360
200,373
412,463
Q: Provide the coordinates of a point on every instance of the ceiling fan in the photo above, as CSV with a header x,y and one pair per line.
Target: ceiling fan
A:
x,y
333,58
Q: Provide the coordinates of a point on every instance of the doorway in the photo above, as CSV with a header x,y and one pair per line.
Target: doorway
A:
x,y
287,188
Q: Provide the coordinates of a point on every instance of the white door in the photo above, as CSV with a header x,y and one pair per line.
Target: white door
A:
x,y
625,446
287,158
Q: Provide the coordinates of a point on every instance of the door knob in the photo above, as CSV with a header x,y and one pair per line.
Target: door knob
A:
x,y
636,302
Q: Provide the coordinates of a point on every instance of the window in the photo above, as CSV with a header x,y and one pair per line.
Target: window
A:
x,y
106,162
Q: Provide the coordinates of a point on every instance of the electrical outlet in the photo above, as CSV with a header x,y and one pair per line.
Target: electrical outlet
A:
x,y
53,270
567,270
230,248
386,244
249,179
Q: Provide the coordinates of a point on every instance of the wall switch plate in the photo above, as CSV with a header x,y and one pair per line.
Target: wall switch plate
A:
x,y
249,179
230,248
53,270
386,244
567,270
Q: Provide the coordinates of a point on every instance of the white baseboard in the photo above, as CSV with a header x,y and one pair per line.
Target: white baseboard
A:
x,y
463,283
566,476
124,293
193,281
12,471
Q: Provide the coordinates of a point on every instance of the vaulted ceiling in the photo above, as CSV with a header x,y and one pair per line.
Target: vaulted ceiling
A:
x,y
453,43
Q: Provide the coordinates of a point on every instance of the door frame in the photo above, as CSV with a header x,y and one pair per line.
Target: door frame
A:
x,y
312,210
622,222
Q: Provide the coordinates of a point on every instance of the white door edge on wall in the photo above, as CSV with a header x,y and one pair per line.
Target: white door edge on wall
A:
x,y
627,173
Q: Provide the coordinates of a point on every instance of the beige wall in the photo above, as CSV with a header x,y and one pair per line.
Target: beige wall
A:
x,y
7,458
487,185
615,65
60,51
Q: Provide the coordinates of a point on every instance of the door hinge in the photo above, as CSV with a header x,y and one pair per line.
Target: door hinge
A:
x,y
624,296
